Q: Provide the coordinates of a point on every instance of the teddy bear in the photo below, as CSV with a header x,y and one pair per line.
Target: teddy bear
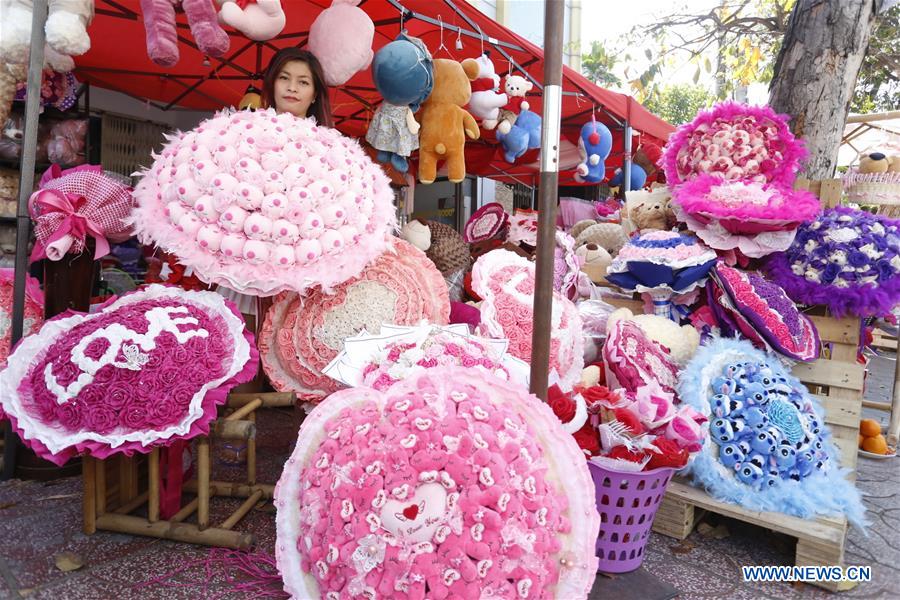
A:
x,y
595,260
162,37
878,162
594,144
515,87
259,21
649,209
681,341
417,233
523,136
486,100
341,38
445,123
609,236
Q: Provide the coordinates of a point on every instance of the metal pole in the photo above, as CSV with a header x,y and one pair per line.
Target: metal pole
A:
x,y
626,160
26,181
546,241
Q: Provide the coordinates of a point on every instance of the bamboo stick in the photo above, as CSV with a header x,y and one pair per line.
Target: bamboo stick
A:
x,y
189,508
232,430
269,399
242,510
180,532
203,483
153,487
133,504
878,405
234,490
244,410
100,476
251,453
89,502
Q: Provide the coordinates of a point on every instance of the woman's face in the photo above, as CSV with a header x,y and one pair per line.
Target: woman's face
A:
x,y
295,90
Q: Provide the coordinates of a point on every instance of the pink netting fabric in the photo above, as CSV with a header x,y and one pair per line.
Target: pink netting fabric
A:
x,y
264,203
81,201
506,282
632,359
34,310
443,485
301,335
148,368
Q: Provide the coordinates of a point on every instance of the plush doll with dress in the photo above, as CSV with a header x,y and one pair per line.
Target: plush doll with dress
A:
x,y
445,123
404,75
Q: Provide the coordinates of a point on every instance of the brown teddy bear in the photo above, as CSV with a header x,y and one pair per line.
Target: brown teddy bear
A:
x,y
445,124
650,209
878,162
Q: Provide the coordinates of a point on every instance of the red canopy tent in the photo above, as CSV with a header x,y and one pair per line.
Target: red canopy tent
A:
x,y
118,61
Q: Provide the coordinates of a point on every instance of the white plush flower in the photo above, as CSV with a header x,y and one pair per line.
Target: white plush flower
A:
x,y
815,225
842,235
414,355
813,275
895,263
841,283
839,257
798,269
877,228
811,245
871,251
397,371
869,279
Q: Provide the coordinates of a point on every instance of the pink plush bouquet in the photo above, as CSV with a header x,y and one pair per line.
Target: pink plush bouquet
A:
x,y
74,204
147,369
34,310
506,282
485,223
631,358
732,170
440,485
302,335
264,203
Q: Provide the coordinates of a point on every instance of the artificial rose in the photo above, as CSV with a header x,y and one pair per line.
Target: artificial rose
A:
x,y
156,360
135,415
600,396
629,420
506,318
117,395
181,354
562,405
69,416
183,394
92,395
168,376
101,419
105,374
587,440
669,454
166,411
623,453
166,341
685,429
66,373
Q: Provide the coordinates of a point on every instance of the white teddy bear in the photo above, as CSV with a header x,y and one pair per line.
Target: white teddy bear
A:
x,y
516,87
486,101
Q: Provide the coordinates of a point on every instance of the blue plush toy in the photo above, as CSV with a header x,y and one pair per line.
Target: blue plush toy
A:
x,y
594,144
524,135
403,73
772,451
638,177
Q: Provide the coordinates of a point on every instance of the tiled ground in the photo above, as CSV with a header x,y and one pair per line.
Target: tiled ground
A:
x,y
38,521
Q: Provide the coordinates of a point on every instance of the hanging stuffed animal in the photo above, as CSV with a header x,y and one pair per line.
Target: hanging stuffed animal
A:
x,y
341,38
445,123
162,37
523,136
260,21
638,177
66,36
516,87
404,75
486,101
594,145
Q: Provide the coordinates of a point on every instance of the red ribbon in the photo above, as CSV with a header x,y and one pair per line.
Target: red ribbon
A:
x,y
75,224
482,84
171,477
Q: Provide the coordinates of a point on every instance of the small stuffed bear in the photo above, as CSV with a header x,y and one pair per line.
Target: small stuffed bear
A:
x,y
486,101
418,234
650,210
609,236
445,123
259,21
595,261
878,162
516,87
681,341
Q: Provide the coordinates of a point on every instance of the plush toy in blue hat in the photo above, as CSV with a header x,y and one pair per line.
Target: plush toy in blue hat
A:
x,y
594,145
403,73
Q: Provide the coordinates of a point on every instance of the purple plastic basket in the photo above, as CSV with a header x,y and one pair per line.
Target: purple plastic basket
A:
x,y
627,504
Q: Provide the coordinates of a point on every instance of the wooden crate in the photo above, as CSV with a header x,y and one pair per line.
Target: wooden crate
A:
x,y
837,382
118,486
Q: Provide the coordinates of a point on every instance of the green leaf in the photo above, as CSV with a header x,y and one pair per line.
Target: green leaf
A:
x,y
697,75
707,65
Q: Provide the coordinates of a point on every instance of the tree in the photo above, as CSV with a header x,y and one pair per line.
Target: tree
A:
x,y
878,86
679,104
815,73
597,65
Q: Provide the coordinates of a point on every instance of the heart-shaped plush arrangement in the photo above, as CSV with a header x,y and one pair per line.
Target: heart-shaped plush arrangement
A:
x,y
148,368
632,359
439,485
264,203
506,282
34,310
485,223
768,447
301,335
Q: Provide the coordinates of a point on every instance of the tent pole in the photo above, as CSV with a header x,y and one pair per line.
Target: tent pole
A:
x,y
626,159
26,182
546,241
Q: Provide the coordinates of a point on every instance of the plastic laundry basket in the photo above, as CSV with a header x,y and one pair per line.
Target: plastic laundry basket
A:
x,y
627,504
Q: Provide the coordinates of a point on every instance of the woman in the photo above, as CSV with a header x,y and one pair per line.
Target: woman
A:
x,y
294,83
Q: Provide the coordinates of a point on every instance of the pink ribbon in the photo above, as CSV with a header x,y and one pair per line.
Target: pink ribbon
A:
x,y
75,224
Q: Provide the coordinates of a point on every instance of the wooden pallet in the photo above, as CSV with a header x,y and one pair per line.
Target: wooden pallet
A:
x,y
119,486
837,382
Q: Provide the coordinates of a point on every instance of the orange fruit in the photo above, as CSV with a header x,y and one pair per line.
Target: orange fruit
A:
x,y
859,441
875,445
869,427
